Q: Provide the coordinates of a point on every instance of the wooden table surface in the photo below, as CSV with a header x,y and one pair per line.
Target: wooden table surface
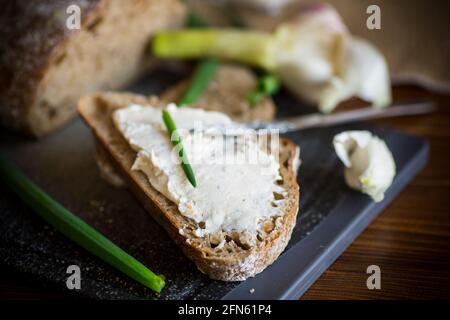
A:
x,y
409,241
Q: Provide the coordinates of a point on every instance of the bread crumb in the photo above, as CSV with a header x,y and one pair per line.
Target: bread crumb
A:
x,y
221,244
199,232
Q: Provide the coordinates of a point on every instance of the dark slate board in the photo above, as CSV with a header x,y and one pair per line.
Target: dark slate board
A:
x,y
331,216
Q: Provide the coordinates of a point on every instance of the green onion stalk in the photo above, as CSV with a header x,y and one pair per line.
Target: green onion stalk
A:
x,y
205,71
248,47
75,228
176,140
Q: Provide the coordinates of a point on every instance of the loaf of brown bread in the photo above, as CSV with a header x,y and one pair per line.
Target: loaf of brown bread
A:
x,y
45,67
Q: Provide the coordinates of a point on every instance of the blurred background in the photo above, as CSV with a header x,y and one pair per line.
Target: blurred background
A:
x,y
413,35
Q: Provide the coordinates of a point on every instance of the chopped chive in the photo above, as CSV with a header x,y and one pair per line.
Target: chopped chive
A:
x,y
75,228
267,85
176,140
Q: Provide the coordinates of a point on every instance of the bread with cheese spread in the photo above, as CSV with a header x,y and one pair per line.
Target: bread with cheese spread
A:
x,y
226,92
224,256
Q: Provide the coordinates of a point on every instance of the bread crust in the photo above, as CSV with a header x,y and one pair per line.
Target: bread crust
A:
x,y
96,110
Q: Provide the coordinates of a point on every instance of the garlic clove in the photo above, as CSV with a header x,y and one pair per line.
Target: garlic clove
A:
x,y
370,166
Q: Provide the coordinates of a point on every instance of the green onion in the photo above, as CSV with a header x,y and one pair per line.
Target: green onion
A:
x,y
205,69
203,74
251,47
75,228
193,20
176,140
267,85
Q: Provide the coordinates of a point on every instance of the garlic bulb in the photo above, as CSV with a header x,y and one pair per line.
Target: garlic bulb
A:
x,y
370,167
314,55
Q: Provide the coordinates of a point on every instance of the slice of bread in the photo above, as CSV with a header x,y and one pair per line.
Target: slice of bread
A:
x,y
223,256
45,66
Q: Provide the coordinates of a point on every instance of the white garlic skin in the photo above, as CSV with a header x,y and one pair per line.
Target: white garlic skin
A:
x,y
320,61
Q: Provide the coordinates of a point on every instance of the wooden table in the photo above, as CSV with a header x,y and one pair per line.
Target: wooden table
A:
x,y
409,241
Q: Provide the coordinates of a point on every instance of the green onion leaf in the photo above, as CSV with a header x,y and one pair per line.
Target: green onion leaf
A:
x,y
76,229
267,85
193,20
176,140
204,72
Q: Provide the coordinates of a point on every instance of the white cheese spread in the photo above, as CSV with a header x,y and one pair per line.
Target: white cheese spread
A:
x,y
230,196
